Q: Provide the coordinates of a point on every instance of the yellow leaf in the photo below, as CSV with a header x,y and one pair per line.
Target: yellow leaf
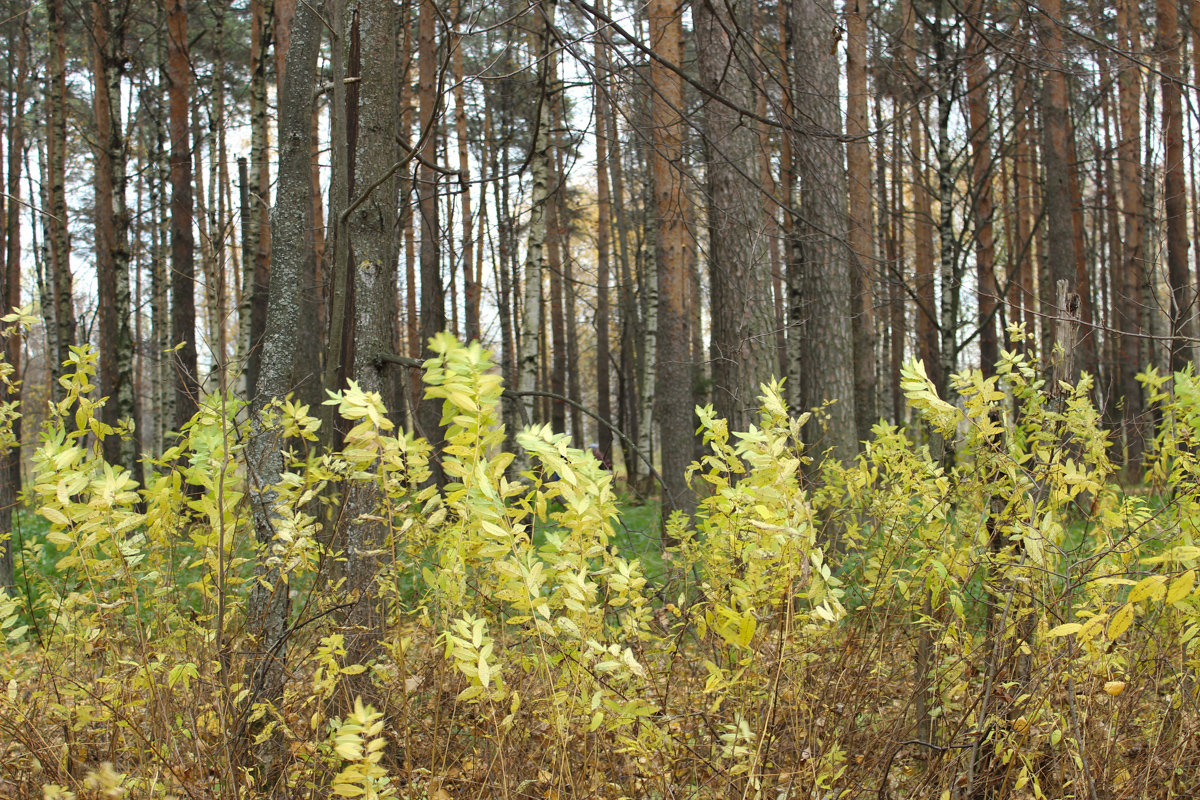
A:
x,y
1148,588
1065,629
1120,621
1114,688
440,794
1181,587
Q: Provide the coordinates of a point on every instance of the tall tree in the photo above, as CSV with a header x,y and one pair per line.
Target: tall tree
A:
x,y
112,230
183,257
742,347
673,408
433,296
372,214
981,190
860,235
603,237
62,311
1183,297
819,295
1134,212
1058,153
531,353
270,604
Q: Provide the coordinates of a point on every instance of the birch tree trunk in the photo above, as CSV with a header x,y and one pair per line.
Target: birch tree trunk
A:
x,y
112,236
535,267
57,234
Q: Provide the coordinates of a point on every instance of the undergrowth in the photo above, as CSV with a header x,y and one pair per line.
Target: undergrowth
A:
x,y
1001,621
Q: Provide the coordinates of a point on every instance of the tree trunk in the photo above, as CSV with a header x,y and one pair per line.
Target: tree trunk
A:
x,y
433,296
820,303
10,461
603,236
112,236
535,267
369,227
1183,302
981,180
260,227
742,347
269,608
860,235
672,378
1133,209
1058,154
471,280
183,265
57,233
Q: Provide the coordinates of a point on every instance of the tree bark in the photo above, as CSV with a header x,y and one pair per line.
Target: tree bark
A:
x,y
433,296
819,294
1183,298
370,231
672,378
860,235
57,233
112,235
183,264
982,180
269,608
535,267
742,350
1058,154
603,237
1133,211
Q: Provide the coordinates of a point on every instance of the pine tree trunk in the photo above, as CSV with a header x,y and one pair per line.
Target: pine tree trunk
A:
x,y
860,235
668,350
433,299
183,269
1183,307
1058,154
1128,293
742,347
820,296
982,179
603,237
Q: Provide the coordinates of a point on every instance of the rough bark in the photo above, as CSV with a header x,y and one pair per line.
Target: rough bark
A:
x,y
819,294
603,237
433,296
270,605
1133,210
57,234
112,234
672,378
860,235
981,187
1058,154
535,257
1183,304
741,348
183,264
369,227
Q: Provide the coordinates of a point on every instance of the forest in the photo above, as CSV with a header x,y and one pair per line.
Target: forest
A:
x,y
439,399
